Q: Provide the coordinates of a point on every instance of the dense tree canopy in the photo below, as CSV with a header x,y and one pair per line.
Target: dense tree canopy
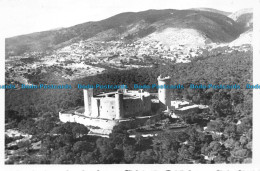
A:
x,y
36,112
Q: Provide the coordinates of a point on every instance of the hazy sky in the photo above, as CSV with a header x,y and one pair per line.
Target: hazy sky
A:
x,y
27,16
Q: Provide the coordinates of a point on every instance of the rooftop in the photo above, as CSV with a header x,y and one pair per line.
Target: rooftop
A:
x,y
188,107
193,107
127,94
180,102
164,78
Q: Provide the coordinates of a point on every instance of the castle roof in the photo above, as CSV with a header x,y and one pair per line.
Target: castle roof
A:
x,y
127,94
160,78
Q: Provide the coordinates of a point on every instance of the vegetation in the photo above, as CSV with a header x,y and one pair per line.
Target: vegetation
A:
x,y
227,139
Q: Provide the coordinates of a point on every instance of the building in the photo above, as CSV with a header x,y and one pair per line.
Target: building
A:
x,y
164,93
117,105
185,107
179,103
104,111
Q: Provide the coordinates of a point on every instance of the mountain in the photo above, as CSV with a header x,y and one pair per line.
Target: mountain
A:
x,y
213,10
244,38
244,18
169,26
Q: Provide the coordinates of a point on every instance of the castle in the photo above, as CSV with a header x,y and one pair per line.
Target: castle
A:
x,y
104,111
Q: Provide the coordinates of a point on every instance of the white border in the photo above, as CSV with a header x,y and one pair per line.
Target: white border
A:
x,y
256,126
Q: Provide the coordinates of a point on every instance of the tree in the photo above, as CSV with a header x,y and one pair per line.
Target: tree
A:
x,y
230,130
24,144
140,142
221,104
146,157
12,115
46,125
28,126
79,130
245,126
216,126
81,146
238,155
129,153
185,153
230,143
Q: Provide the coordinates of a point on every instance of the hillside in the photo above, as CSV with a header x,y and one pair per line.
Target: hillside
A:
x,y
131,26
244,18
212,10
175,36
244,38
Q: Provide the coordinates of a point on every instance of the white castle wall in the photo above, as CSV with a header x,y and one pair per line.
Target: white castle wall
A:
x,y
101,123
64,117
117,107
95,107
163,93
104,123
107,108
88,95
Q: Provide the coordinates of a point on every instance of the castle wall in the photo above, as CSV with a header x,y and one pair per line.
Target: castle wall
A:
x,y
65,117
135,107
104,123
95,122
107,108
140,121
119,108
163,93
88,95
95,107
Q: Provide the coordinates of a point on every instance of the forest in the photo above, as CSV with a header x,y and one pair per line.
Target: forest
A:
x,y
36,112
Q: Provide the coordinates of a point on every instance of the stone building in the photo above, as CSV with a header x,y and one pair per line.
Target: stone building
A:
x,y
117,105
164,93
107,110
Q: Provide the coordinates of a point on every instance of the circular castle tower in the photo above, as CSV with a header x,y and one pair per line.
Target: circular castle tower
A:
x,y
163,93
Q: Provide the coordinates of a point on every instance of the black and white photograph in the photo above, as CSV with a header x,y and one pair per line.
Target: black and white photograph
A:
x,y
129,82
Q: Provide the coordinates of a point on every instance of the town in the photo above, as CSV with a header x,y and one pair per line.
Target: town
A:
x,y
88,58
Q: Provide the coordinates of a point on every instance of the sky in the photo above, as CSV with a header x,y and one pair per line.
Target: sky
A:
x,y
27,16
